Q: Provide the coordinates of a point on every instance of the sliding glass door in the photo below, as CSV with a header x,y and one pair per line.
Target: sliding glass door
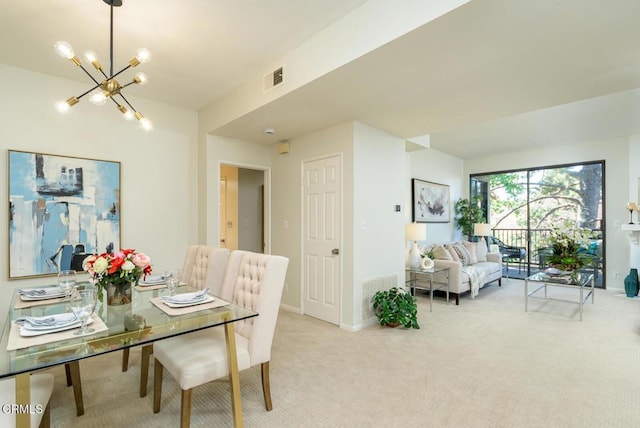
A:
x,y
524,205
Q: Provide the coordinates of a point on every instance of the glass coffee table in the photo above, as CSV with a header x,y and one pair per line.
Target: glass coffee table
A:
x,y
584,282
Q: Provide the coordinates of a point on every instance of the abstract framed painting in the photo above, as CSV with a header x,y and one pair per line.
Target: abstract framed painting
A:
x,y
61,209
431,203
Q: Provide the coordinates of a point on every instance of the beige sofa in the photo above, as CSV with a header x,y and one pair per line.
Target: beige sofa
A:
x,y
469,270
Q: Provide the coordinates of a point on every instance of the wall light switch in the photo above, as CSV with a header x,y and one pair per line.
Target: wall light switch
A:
x,y
285,224
397,208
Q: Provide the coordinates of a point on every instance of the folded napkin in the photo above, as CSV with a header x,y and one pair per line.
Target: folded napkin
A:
x,y
149,280
47,322
41,292
186,297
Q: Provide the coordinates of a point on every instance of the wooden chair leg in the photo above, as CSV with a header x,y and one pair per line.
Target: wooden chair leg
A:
x,y
147,350
125,359
45,422
157,385
67,372
266,386
185,409
74,369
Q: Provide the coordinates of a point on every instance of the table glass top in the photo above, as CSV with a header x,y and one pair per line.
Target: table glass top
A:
x,y
580,278
432,270
128,325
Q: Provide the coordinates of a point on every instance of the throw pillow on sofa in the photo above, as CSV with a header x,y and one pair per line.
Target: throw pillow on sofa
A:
x,y
453,253
471,248
481,251
440,253
463,254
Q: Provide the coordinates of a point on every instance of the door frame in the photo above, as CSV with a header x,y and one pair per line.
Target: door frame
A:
x,y
266,220
340,157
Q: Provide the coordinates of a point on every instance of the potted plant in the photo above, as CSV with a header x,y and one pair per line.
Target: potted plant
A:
x,y
467,213
394,307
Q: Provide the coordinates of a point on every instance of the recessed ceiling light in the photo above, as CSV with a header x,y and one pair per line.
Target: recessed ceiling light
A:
x,y
270,131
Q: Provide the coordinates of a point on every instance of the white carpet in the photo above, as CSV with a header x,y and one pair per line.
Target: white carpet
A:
x,y
485,363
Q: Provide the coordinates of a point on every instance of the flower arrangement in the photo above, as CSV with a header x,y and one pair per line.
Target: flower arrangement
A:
x,y
120,269
568,242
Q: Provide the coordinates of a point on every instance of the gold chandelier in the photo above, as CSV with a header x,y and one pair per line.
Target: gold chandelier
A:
x,y
106,86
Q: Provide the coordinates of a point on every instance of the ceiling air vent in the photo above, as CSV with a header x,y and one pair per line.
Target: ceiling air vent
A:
x,y
273,79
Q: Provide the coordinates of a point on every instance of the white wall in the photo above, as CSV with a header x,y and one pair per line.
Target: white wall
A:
x,y
221,150
287,206
437,167
158,184
378,230
615,152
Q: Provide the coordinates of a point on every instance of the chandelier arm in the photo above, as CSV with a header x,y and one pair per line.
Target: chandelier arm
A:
x,y
90,76
85,93
128,103
128,84
121,71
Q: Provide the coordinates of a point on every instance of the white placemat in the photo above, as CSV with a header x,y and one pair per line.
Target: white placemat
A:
x,y
18,342
22,304
217,302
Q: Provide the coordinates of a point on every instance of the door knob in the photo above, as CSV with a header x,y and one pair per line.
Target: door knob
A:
x,y
335,251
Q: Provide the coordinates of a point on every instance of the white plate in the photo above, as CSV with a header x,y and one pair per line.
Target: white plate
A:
x,y
148,283
207,299
43,297
65,320
152,280
28,333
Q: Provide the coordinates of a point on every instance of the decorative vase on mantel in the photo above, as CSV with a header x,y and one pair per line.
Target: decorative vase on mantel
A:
x,y
631,283
118,294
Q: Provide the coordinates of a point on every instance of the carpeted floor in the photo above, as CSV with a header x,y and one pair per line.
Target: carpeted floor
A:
x,y
485,363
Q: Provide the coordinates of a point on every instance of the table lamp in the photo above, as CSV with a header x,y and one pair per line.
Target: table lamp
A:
x,y
482,229
415,232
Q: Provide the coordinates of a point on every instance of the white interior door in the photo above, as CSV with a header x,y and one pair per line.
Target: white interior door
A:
x,y
321,238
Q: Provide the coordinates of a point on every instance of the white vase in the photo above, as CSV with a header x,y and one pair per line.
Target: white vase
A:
x,y
414,256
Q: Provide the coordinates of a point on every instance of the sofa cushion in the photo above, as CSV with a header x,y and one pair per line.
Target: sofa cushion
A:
x,y
481,251
471,248
440,253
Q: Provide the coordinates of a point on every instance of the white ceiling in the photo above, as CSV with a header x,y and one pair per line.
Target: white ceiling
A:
x,y
492,75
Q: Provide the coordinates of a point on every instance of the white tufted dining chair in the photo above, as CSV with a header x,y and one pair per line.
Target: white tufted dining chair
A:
x,y
254,281
204,266
41,389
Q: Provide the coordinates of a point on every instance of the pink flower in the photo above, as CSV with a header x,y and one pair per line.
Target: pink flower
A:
x,y
141,260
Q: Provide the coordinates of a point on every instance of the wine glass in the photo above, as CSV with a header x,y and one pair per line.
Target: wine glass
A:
x,y
172,279
67,281
83,305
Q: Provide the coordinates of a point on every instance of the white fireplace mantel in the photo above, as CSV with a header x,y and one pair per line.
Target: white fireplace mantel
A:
x,y
633,230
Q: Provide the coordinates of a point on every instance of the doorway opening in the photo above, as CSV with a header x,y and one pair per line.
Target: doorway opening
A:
x,y
244,203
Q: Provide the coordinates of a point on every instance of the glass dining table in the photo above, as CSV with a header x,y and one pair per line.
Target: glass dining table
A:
x,y
137,323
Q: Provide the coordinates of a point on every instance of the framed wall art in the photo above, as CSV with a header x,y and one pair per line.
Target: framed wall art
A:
x,y
430,202
61,208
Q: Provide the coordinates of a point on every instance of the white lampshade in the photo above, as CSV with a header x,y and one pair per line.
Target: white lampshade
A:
x,y
415,232
482,229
